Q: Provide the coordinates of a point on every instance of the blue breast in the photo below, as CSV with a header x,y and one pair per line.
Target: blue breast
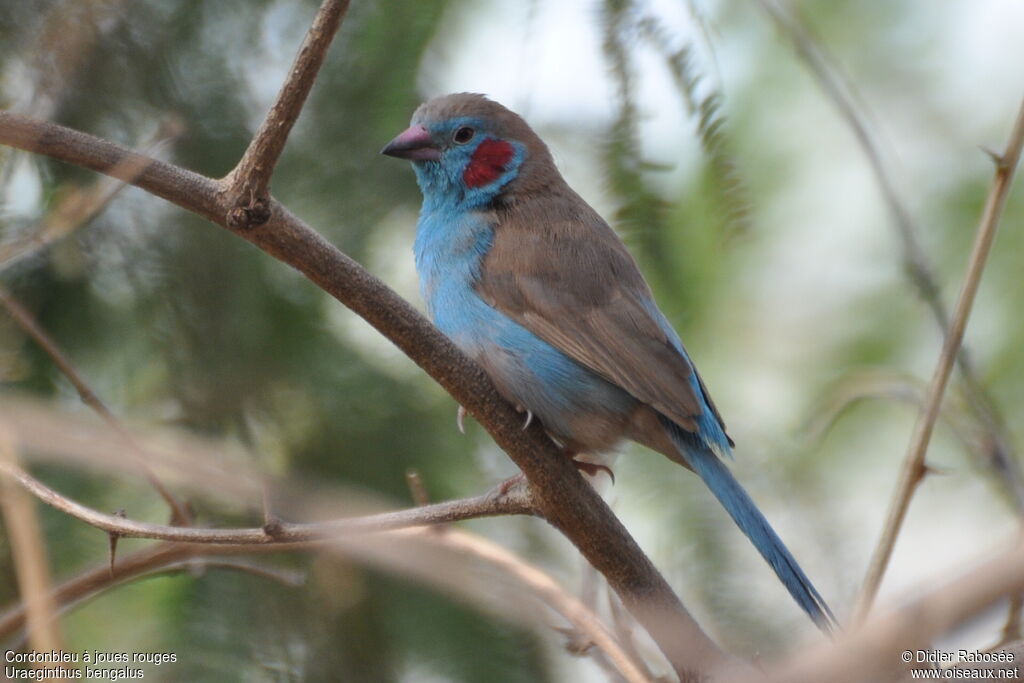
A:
x,y
450,247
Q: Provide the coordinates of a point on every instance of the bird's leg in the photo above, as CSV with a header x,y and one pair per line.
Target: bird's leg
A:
x,y
461,415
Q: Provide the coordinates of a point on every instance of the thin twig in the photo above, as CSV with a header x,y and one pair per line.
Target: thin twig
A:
x,y
913,469
30,563
551,594
79,205
249,182
288,579
1011,627
561,495
131,566
166,557
25,320
916,264
158,560
515,501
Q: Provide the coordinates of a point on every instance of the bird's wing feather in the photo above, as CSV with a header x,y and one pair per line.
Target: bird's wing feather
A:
x,y
556,268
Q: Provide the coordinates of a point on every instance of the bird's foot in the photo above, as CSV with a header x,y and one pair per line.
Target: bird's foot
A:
x,y
529,415
593,468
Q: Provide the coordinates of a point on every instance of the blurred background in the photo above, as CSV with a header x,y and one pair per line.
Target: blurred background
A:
x,y
697,128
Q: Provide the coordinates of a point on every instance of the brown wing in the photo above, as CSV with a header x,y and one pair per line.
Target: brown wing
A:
x,y
556,268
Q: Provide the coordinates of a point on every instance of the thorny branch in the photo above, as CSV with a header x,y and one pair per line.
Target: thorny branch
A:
x,y
997,445
913,469
190,542
516,501
915,260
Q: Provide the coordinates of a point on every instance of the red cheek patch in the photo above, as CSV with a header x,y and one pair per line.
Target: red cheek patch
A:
x,y
488,163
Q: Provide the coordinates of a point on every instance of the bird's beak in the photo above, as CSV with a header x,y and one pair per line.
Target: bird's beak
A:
x,y
415,144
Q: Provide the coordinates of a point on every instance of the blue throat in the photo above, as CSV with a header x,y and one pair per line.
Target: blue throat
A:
x,y
452,238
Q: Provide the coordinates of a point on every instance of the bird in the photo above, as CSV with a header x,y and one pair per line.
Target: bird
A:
x,y
530,282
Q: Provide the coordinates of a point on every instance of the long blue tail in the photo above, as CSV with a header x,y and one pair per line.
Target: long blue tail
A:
x,y
744,512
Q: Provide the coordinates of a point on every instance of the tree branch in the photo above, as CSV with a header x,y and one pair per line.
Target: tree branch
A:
x,y
582,618
290,536
159,559
129,567
516,501
77,205
249,182
913,468
560,494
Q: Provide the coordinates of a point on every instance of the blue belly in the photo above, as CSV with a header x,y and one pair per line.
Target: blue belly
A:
x,y
575,405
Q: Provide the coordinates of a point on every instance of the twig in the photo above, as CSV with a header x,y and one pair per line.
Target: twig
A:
x,y
179,513
288,579
887,386
561,495
156,560
916,263
78,206
249,182
30,563
913,464
516,501
1011,627
548,591
165,557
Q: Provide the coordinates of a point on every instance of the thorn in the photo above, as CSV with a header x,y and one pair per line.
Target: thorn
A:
x,y
996,157
927,469
416,488
459,417
112,540
529,419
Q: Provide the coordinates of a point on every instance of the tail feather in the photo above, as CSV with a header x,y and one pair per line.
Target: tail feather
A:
x,y
744,512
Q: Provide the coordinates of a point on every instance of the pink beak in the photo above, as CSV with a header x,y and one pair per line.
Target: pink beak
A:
x,y
415,144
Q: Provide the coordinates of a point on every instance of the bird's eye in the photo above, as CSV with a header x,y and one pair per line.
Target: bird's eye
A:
x,y
463,135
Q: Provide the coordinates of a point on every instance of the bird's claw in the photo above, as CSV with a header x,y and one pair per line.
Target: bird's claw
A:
x,y
459,417
529,415
592,468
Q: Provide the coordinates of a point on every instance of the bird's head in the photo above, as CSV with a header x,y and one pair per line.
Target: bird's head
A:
x,y
471,150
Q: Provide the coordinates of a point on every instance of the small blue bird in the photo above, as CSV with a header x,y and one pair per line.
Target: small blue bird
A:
x,y
528,280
